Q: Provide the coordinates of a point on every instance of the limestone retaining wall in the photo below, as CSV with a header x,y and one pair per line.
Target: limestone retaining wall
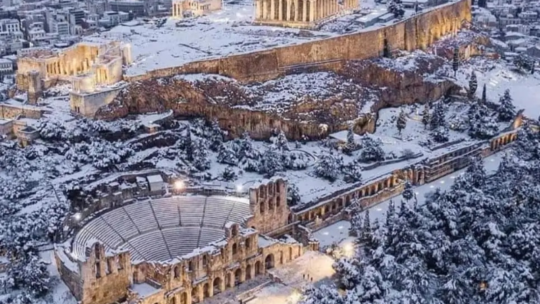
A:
x,y
12,111
417,32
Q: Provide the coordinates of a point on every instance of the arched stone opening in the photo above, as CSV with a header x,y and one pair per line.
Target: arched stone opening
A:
x,y
281,258
248,272
206,290
217,285
176,272
183,298
237,277
234,249
172,300
194,295
269,261
258,268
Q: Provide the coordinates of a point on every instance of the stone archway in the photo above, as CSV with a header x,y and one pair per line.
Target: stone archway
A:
x,y
172,300
217,285
237,277
206,291
183,298
248,272
269,262
194,295
258,268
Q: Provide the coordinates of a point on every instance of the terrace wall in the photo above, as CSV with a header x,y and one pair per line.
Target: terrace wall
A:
x,y
417,32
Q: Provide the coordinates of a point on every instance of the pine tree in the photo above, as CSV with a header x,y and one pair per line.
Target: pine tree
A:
x,y
473,84
455,62
365,232
484,97
352,172
271,163
216,136
401,121
507,110
351,143
440,134
293,195
438,117
226,155
426,116
371,150
390,212
408,192
281,142
200,155
329,166
482,125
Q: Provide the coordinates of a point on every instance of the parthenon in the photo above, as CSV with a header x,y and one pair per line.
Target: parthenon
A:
x,y
300,13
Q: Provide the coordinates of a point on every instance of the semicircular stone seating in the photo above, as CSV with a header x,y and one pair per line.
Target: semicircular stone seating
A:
x,y
162,229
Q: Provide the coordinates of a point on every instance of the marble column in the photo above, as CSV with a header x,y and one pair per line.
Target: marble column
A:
x,y
265,9
280,13
296,10
304,10
258,9
289,10
312,5
272,9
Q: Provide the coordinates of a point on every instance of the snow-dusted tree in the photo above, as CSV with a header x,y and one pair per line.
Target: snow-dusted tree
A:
x,y
440,134
455,61
426,116
438,117
246,149
371,150
352,172
507,110
226,155
482,124
396,7
293,195
329,166
229,174
216,136
401,121
473,84
29,273
271,163
281,142
408,193
484,97
200,161
351,143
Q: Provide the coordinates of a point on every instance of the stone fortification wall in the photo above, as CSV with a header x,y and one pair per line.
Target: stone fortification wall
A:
x,y
12,112
417,32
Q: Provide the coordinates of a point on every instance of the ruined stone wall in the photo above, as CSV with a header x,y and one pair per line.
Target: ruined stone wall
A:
x,y
268,204
11,112
417,32
87,104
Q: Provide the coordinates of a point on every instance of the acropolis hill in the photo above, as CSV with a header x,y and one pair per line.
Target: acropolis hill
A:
x,y
417,32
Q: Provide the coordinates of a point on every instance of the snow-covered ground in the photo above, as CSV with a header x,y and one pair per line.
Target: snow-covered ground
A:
x,y
498,77
60,294
338,232
221,33
311,268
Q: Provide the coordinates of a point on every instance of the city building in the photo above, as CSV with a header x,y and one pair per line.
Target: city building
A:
x,y
194,7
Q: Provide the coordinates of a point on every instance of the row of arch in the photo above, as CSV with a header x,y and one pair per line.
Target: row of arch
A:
x,y
336,205
502,141
232,279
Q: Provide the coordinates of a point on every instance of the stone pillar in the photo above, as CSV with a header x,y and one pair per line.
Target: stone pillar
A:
x,y
280,12
273,9
288,10
304,10
264,9
312,7
258,9
296,10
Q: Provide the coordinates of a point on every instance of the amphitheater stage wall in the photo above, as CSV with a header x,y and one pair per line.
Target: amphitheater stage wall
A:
x,y
417,32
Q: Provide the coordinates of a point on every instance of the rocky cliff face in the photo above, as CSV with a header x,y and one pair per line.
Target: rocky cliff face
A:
x,y
307,105
416,78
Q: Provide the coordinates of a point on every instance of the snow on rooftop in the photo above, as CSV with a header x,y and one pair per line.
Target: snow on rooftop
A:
x,y
154,178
